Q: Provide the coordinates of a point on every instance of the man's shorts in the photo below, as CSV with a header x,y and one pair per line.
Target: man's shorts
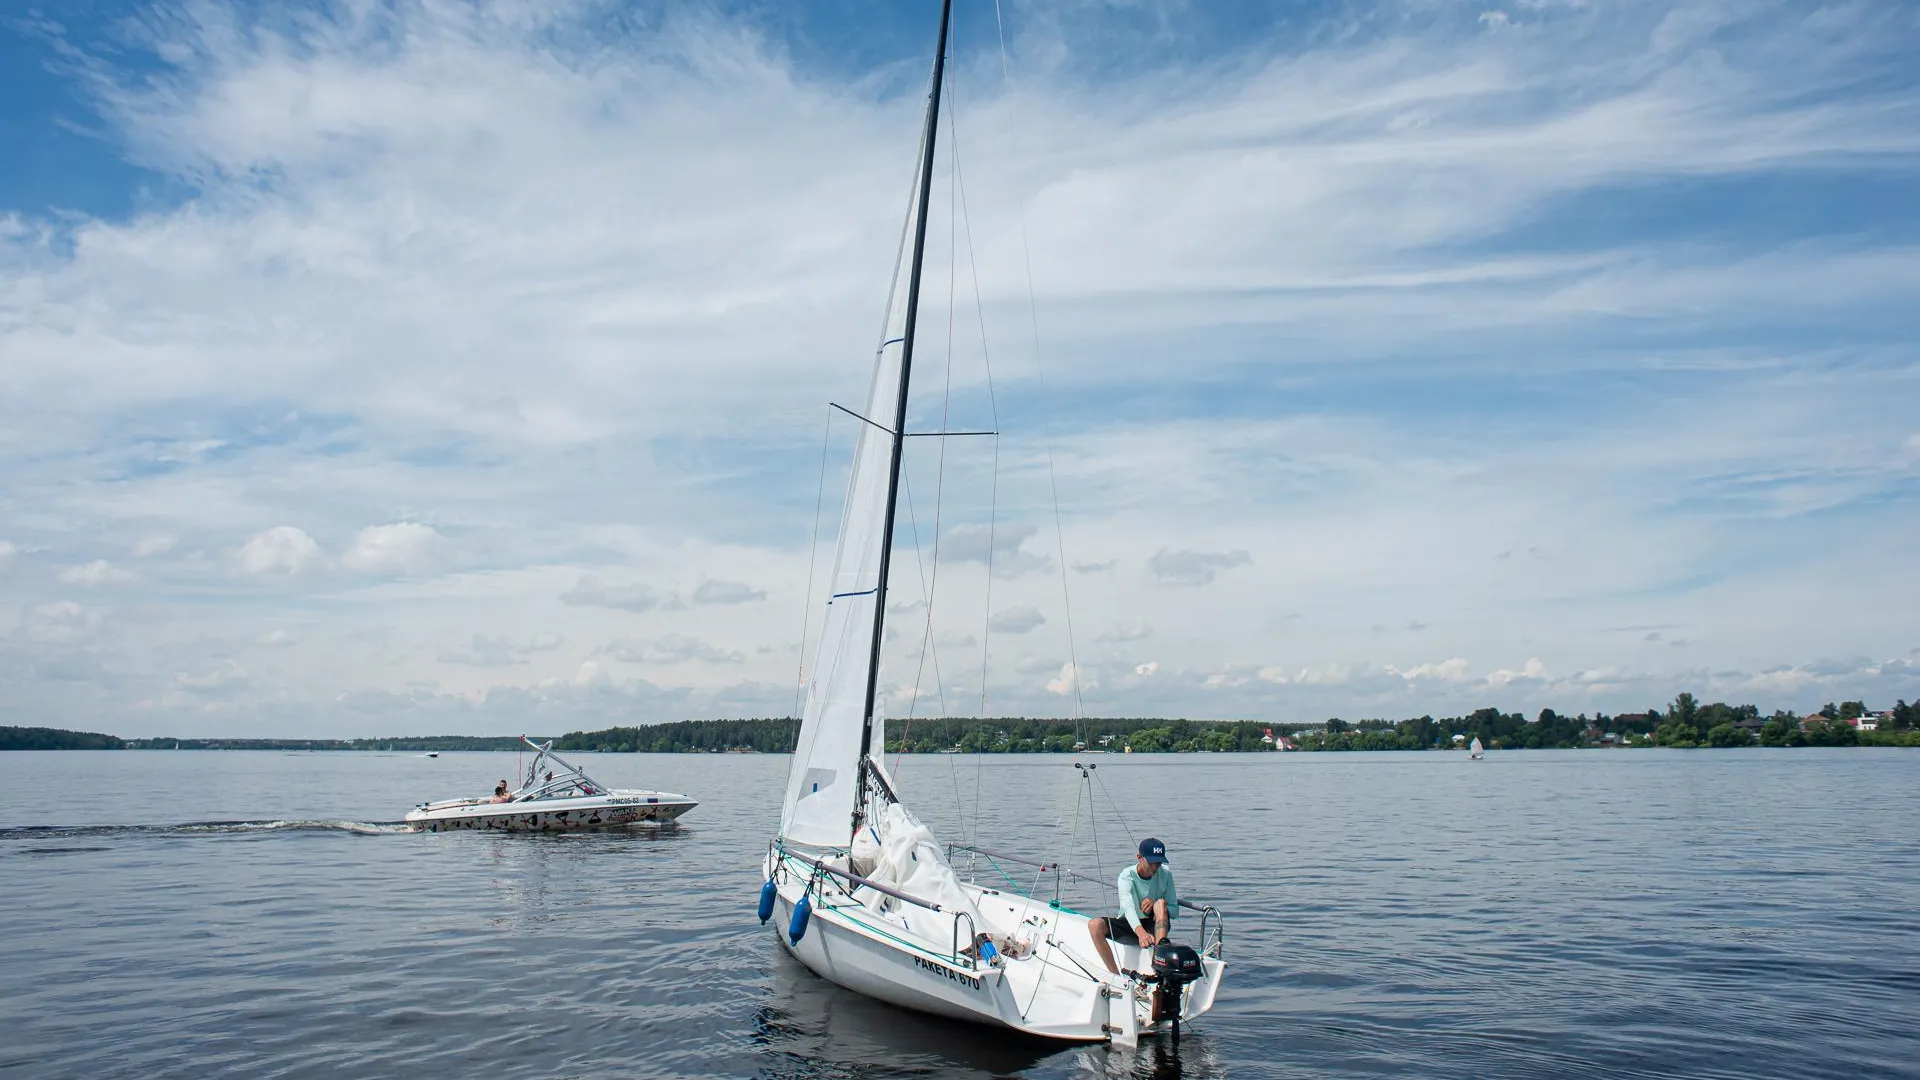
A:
x,y
1120,930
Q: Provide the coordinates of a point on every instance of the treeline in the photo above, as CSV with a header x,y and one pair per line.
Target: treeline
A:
x,y
42,738
1001,735
1685,723
770,736
1024,735
406,743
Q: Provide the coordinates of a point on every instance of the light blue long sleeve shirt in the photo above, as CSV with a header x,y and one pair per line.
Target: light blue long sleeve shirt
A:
x,y
1134,889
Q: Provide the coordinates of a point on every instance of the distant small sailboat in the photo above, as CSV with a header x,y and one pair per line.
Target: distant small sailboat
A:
x,y
1475,750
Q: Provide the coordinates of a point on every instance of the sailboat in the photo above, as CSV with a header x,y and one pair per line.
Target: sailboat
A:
x,y
1475,751
856,887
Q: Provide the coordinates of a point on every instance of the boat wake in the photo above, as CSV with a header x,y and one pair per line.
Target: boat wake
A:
x,y
201,828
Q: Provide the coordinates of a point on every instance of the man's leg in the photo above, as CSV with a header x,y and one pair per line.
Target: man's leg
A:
x,y
1098,928
1161,927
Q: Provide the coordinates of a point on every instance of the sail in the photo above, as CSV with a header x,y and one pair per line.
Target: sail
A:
x,y
823,780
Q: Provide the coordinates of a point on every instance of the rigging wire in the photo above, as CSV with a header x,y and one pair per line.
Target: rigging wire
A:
x,y
932,582
813,557
965,218
926,591
1116,808
1046,431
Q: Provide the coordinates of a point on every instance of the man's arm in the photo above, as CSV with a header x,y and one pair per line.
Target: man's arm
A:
x,y
1129,901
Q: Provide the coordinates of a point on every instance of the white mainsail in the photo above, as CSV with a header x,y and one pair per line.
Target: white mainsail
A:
x,y
821,786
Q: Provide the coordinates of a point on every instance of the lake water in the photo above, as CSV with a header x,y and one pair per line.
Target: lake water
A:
x,y
1539,914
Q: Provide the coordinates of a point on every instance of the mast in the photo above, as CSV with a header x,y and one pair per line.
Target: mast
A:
x,y
900,404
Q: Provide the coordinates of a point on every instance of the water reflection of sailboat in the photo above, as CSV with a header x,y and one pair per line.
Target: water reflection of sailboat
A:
x,y
810,1028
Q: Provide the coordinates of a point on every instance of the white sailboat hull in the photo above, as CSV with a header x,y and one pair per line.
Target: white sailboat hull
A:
x,y
1051,993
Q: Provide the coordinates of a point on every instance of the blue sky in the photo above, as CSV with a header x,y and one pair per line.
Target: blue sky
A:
x,y
401,368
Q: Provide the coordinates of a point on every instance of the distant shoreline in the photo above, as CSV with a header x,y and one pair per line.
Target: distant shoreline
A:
x,y
1686,724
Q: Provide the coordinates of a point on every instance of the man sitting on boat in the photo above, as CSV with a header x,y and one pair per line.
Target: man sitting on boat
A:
x,y
500,793
1148,904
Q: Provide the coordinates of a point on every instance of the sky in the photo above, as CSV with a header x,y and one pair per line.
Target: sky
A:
x,y
466,367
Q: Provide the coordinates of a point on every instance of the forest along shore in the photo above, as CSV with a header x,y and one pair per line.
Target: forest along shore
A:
x,y
1685,723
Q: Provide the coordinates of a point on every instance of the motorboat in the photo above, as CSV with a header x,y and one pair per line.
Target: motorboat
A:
x,y
555,796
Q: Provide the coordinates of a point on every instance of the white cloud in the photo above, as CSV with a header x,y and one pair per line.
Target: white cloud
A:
x,y
592,592
727,592
7,551
1533,669
1194,567
502,651
217,680
488,302
1454,671
669,649
1146,669
1005,543
1018,620
150,546
60,623
1068,681
97,573
1126,632
282,549
404,547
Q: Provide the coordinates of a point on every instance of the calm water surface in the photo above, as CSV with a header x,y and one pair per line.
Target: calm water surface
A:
x,y
1544,914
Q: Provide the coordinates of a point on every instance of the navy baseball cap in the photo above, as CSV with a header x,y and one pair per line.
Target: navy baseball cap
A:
x,y
1153,850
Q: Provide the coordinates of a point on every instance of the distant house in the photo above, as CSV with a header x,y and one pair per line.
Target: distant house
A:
x,y
1750,724
1870,722
1611,738
1278,742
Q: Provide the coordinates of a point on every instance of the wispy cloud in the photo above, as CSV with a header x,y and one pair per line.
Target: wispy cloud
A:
x,y
415,352
727,592
592,592
1194,567
1018,620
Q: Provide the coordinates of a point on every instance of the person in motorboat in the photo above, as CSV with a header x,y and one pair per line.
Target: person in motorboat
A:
x,y
500,793
1148,904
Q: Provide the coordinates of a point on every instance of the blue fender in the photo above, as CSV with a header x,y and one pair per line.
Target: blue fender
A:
x,y
802,913
767,894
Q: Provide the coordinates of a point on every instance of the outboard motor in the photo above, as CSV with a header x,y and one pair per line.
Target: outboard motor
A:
x,y
1174,966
